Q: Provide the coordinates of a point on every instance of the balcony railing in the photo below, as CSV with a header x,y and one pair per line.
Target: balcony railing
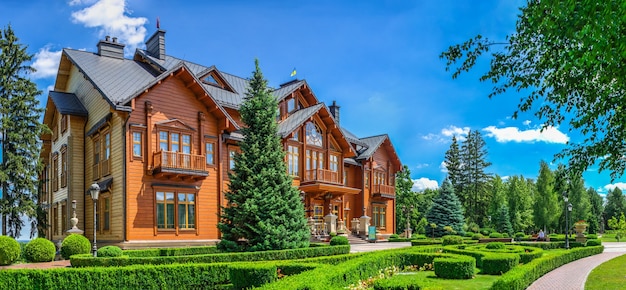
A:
x,y
383,189
177,160
321,175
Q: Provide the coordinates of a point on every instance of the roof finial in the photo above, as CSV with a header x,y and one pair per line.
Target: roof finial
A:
x,y
158,23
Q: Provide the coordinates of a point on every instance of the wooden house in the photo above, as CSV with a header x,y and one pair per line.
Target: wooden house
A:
x,y
157,134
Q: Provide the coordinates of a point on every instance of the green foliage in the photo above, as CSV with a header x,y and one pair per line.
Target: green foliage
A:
x,y
546,208
399,282
110,251
593,242
446,210
9,250
394,236
263,207
500,263
520,235
458,267
591,236
519,204
619,225
289,254
39,250
615,204
581,206
250,275
597,209
407,202
503,223
75,244
451,240
339,241
494,245
495,235
156,252
475,192
20,130
477,237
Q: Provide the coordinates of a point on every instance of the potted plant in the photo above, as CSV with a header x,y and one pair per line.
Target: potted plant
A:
x,y
580,226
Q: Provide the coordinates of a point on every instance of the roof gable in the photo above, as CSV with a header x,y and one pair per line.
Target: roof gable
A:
x,y
174,124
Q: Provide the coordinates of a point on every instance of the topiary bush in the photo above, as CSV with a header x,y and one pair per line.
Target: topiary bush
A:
x,y
495,235
593,242
592,236
394,236
39,250
495,245
110,251
451,240
339,241
477,236
486,231
457,267
469,234
75,244
505,235
9,250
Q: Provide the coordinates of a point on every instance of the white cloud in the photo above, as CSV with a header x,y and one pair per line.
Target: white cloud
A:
x,y
423,183
455,131
111,19
49,88
513,134
526,123
422,165
620,185
444,167
46,63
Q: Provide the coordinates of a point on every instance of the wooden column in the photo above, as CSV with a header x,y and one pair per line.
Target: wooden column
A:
x,y
149,157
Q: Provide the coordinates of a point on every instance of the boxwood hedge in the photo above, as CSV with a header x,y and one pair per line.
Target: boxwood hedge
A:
x,y
455,267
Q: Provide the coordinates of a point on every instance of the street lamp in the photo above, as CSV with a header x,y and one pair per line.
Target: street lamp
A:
x,y
94,191
407,211
569,209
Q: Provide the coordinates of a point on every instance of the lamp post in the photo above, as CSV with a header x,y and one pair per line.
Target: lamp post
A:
x,y
568,207
94,191
407,211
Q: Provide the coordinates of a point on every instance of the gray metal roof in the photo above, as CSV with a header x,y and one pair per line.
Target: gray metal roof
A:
x,y
68,104
372,145
296,119
115,78
352,138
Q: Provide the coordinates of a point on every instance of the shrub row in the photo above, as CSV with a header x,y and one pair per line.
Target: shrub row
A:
x,y
456,267
488,262
400,282
89,261
524,275
164,252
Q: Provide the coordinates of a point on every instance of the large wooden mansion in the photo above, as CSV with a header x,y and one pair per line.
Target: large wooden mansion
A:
x,y
158,133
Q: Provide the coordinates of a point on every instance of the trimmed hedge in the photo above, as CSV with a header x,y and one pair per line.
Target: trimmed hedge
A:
x,y
75,244
495,245
457,267
425,242
10,250
522,276
110,251
593,242
499,263
451,240
339,241
249,275
495,235
39,250
89,261
161,252
399,282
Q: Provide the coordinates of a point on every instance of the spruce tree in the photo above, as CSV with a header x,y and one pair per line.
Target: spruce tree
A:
x,y
474,195
19,132
264,210
453,165
503,223
406,200
446,210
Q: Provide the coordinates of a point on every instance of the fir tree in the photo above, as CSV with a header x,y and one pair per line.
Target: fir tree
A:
x,y
453,165
263,206
503,223
446,210
19,132
406,200
474,195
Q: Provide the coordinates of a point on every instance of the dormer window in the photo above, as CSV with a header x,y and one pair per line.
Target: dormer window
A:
x,y
313,135
210,79
292,105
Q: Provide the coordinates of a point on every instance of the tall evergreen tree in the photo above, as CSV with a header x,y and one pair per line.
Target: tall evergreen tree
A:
x,y
615,204
497,198
520,203
595,217
581,206
546,209
446,210
406,200
20,130
453,165
475,192
263,206
503,222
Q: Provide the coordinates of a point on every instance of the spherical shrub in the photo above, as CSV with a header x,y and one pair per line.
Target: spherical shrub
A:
x,y
593,242
75,244
505,235
477,236
9,250
451,240
339,240
495,235
39,250
495,245
486,231
520,235
110,251
469,234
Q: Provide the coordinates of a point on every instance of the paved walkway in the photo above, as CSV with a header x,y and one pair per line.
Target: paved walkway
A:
x,y
574,275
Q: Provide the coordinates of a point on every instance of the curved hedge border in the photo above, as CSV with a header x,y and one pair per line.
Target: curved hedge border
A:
x,y
161,252
457,267
526,254
87,260
522,276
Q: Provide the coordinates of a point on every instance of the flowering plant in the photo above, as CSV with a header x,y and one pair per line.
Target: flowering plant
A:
x,y
581,223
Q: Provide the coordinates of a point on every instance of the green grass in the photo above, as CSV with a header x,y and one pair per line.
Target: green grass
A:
x,y
609,275
431,282
610,238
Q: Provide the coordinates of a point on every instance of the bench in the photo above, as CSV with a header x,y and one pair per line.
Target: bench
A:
x,y
535,238
489,240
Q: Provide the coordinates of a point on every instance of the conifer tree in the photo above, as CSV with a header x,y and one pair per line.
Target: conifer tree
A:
x,y
446,210
546,209
453,165
503,223
406,200
263,208
19,132
474,195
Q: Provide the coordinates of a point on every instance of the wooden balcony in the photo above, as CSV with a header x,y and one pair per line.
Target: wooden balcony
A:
x,y
321,175
384,191
176,164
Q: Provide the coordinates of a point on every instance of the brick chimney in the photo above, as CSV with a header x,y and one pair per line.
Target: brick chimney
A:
x,y
156,44
334,110
111,48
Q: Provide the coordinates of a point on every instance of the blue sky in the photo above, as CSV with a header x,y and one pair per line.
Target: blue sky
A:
x,y
377,59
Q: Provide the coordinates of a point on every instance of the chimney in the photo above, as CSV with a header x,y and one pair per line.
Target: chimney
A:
x,y
110,48
334,110
156,44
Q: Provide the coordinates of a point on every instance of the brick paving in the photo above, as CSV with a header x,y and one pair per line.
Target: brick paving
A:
x,y
573,275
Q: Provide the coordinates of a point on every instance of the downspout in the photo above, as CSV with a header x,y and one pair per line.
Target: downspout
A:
x,y
124,175
84,172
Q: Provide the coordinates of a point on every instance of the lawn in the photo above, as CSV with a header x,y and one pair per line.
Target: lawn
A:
x,y
432,282
610,238
609,275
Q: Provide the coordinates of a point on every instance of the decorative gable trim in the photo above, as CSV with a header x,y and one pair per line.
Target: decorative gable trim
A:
x,y
175,124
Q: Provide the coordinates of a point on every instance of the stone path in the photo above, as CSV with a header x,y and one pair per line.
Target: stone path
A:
x,y
574,275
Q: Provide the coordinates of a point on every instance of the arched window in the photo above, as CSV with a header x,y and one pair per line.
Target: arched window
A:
x,y
313,135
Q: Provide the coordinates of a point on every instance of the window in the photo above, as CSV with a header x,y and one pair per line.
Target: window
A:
x,y
182,207
379,216
64,219
318,213
55,171
64,123
231,159
105,209
313,135
106,154
314,160
101,154
210,153
55,220
296,136
210,79
379,177
367,179
292,105
137,144
64,166
334,163
96,157
293,160
345,177
163,141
